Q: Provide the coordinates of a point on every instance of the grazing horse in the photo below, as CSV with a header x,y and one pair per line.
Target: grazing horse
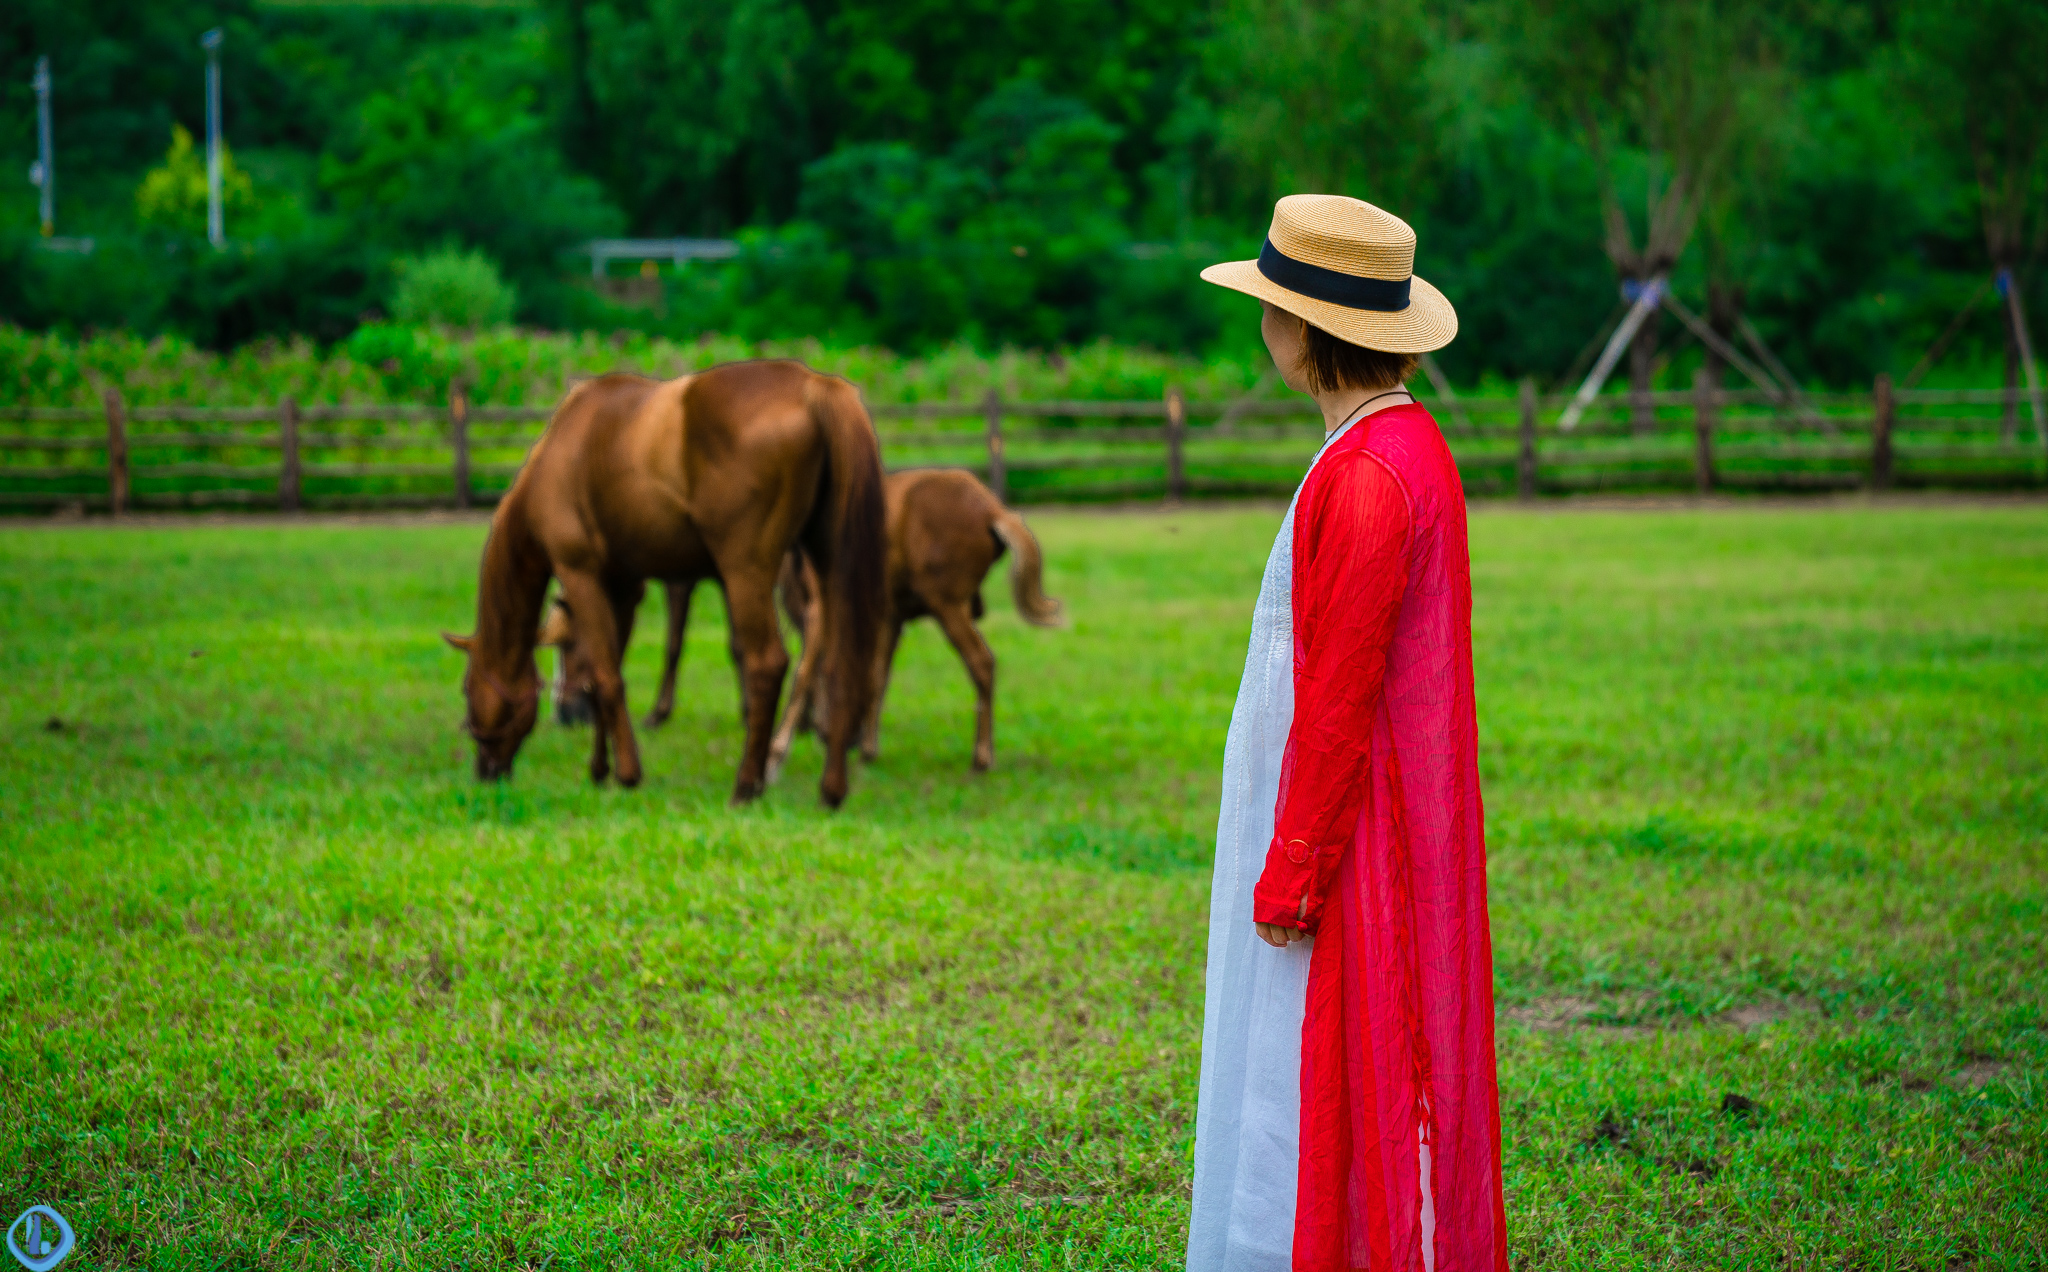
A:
x,y
716,475
945,532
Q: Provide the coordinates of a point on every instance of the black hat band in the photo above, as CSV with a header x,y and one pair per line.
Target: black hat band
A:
x,y
1336,287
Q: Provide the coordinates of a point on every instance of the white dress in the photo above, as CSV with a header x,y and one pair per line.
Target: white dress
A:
x,y
1248,1124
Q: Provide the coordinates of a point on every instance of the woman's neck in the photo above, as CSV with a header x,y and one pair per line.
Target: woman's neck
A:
x,y
1344,405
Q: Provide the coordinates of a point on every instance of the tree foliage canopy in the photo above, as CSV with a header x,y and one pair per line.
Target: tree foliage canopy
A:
x,y
1042,172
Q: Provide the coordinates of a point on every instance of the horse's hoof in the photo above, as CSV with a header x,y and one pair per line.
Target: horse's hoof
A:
x,y
869,754
745,794
775,763
629,778
831,797
655,719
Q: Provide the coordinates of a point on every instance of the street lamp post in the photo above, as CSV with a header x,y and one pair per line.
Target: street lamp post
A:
x,y
216,229
44,174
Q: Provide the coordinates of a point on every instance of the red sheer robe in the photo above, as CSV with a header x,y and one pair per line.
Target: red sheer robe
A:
x,y
1377,824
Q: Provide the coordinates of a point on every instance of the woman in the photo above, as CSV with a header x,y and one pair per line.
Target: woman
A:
x,y
1349,1114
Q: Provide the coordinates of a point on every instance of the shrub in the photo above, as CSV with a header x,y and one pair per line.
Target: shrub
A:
x,y
453,289
173,196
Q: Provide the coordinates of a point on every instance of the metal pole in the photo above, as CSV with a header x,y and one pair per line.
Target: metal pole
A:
x,y
1807,415
2009,284
216,229
44,174
1713,339
1645,302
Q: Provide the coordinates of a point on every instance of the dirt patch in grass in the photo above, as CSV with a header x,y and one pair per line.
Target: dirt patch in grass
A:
x,y
1562,1012
1979,1073
1766,1012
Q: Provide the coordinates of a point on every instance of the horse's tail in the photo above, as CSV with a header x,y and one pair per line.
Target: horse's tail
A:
x,y
846,537
1027,571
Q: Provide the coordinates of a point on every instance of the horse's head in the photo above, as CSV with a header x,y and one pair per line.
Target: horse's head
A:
x,y
502,710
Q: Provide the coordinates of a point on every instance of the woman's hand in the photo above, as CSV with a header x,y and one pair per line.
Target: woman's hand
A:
x,y
1279,935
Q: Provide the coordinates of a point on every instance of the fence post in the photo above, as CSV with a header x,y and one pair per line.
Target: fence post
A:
x,y
117,452
1525,462
1176,442
288,466
998,478
1642,412
1703,396
1881,434
458,433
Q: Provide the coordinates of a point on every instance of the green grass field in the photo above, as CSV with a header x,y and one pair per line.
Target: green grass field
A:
x,y
283,987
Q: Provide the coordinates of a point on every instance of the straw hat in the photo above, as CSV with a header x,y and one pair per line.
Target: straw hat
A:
x,y
1349,268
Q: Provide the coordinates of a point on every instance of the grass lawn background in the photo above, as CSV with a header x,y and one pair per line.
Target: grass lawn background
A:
x,y
283,987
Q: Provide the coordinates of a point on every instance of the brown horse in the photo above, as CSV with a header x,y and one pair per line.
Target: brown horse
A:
x,y
717,475
945,531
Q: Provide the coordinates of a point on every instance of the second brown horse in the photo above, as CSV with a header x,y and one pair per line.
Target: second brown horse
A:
x,y
946,531
716,475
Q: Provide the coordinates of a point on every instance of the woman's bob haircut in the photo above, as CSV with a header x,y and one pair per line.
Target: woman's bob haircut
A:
x,y
1330,364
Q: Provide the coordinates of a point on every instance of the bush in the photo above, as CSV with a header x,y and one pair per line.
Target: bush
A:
x,y
458,154
451,289
507,366
315,284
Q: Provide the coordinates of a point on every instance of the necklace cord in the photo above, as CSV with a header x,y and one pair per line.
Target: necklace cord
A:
x,y
1368,402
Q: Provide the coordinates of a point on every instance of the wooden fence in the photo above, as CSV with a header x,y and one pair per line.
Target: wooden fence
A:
x,y
291,456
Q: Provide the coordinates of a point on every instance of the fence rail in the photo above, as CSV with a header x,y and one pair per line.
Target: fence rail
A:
x,y
291,455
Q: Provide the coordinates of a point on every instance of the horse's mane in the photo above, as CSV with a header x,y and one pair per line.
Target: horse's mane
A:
x,y
510,588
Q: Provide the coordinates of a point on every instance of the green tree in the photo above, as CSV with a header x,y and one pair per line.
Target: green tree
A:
x,y
1656,90
1325,96
698,118
702,118
1980,71
1013,235
1735,226
174,195
452,156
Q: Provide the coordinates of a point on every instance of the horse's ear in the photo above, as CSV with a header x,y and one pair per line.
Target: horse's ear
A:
x,y
460,642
